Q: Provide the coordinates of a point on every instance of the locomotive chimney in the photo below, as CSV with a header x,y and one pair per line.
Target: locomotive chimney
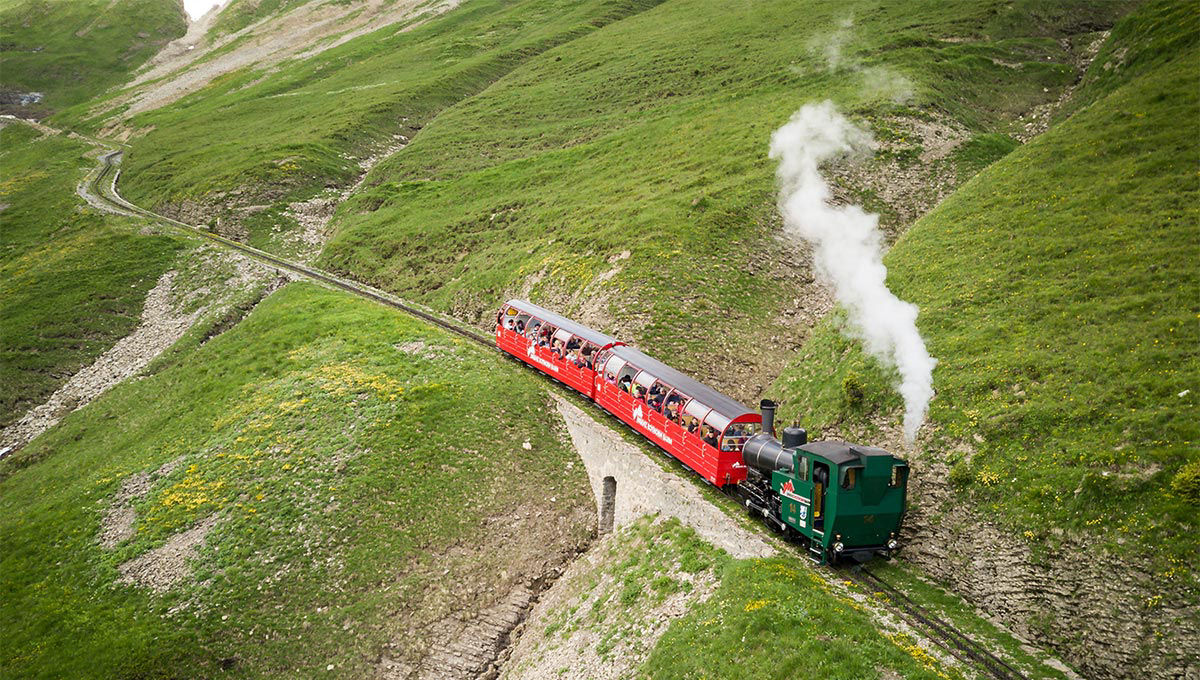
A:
x,y
767,408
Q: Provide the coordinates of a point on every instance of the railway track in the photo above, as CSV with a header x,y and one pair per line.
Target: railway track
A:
x,y
945,635
107,193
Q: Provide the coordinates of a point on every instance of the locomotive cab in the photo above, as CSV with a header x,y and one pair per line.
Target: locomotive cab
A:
x,y
856,494
844,500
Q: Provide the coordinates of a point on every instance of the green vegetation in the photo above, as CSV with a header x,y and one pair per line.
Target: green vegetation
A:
x,y
953,610
650,136
287,135
72,50
342,450
1058,287
241,13
72,281
779,618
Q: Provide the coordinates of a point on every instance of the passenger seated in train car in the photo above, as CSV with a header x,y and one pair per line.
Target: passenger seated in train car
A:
x,y
639,393
656,398
558,348
709,436
574,343
519,326
672,411
588,356
691,423
624,382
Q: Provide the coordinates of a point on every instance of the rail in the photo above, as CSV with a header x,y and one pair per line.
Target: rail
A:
x,y
941,633
110,196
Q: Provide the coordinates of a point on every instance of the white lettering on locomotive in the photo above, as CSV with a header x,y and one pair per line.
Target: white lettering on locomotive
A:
x,y
640,419
533,356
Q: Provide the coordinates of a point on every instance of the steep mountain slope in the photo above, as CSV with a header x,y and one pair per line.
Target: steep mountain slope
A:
x,y
72,50
327,484
623,176
72,281
235,154
1059,288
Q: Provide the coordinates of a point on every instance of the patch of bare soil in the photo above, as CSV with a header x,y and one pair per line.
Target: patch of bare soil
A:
x,y
574,617
168,313
1037,121
192,62
314,214
118,522
161,326
476,595
162,568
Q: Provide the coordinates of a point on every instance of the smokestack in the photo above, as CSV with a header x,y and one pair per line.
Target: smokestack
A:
x,y
767,408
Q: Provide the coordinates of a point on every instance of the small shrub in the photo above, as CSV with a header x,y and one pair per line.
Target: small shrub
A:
x,y
853,390
961,475
1186,482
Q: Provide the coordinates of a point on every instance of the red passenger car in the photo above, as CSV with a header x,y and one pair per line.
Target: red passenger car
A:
x,y
693,422
553,344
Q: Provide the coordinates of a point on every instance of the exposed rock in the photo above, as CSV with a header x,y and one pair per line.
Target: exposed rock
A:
x,y
161,326
162,568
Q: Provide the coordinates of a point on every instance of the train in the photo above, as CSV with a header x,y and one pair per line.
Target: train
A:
x,y
844,502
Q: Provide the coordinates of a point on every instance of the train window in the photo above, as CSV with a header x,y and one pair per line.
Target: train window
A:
x,y
899,472
696,410
849,477
802,468
625,377
673,406
532,327
736,435
611,366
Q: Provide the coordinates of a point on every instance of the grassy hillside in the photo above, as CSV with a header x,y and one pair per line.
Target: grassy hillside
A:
x,y
350,465
72,281
1059,289
275,137
72,50
647,140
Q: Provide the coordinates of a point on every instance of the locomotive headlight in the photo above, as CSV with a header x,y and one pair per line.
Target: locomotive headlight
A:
x,y
892,543
838,547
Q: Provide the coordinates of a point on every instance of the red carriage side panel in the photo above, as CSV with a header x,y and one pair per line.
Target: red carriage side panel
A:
x,y
515,323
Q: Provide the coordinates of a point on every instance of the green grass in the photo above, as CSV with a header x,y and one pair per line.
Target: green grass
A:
x,y
1059,290
950,608
73,50
349,478
778,618
72,281
289,134
650,136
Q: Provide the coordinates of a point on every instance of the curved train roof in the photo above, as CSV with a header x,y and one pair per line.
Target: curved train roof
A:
x,y
563,323
725,405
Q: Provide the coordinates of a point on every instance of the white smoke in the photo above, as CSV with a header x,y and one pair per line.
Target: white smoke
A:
x,y
876,81
847,250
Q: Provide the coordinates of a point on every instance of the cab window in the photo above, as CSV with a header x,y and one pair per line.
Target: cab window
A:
x,y
802,472
849,477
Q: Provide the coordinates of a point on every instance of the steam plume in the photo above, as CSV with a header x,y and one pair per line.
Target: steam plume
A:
x,y
848,250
